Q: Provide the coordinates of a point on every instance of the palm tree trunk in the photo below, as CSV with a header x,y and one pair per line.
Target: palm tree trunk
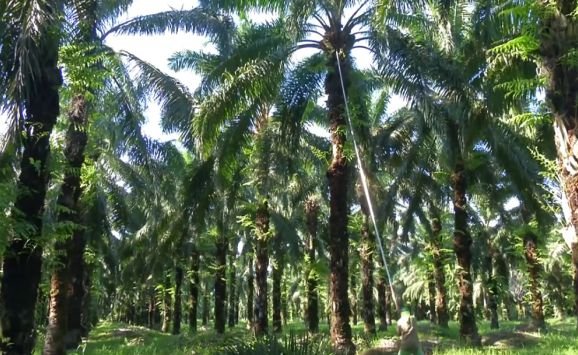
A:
x,y
70,191
431,287
337,174
221,284
575,262
285,302
232,286
151,310
381,302
194,290
492,288
250,293
178,308
278,268
462,244
237,301
503,275
439,274
534,271
366,254
277,276
206,301
558,38
77,275
261,265
22,263
88,318
389,304
312,220
166,306
354,295
76,328
54,342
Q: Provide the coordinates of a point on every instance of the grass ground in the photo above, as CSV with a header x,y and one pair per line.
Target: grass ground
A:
x,y
512,338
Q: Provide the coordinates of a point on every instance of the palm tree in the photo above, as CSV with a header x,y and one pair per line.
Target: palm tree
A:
x,y
441,307
221,251
68,200
532,256
29,85
194,286
338,36
543,36
460,103
233,306
312,311
87,86
69,250
557,39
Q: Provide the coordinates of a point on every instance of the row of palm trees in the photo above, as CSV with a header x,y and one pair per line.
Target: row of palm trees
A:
x,y
465,82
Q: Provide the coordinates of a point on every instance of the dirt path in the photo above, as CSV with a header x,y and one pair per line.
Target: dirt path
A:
x,y
521,337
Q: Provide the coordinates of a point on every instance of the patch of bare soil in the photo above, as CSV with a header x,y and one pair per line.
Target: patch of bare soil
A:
x,y
511,339
131,336
391,347
523,336
126,333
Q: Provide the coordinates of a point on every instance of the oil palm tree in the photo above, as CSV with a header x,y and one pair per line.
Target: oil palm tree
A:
x,y
257,76
459,103
414,181
557,40
324,26
88,86
29,85
71,248
543,38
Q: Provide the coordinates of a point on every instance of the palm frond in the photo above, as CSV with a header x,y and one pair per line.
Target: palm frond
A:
x,y
198,20
177,104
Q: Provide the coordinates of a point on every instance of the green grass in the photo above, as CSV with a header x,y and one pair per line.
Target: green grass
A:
x,y
114,338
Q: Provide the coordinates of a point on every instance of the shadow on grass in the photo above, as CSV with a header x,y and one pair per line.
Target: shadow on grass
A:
x,y
114,338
